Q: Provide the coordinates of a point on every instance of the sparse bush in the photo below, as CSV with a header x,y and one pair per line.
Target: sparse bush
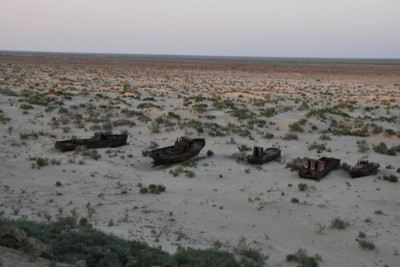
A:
x,y
303,259
325,137
143,190
296,164
152,188
318,147
189,173
338,223
94,154
243,148
176,172
290,136
55,162
210,153
364,244
362,146
268,112
382,148
41,162
303,186
391,178
294,200
250,254
269,135
344,166
296,127
361,234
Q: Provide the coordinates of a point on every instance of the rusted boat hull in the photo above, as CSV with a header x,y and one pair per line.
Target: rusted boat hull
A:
x,y
111,140
316,172
357,172
267,155
169,155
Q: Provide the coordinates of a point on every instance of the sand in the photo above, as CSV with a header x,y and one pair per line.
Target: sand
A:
x,y
226,199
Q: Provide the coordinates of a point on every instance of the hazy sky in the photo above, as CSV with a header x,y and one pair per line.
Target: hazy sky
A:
x,y
276,28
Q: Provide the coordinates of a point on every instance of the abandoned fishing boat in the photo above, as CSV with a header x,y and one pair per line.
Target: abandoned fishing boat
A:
x,y
99,140
363,168
261,156
185,148
316,169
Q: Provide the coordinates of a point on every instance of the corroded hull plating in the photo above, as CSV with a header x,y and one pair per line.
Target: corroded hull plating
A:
x,y
364,169
268,154
170,155
315,174
98,141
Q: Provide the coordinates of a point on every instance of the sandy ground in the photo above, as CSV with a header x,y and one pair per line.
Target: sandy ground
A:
x,y
225,200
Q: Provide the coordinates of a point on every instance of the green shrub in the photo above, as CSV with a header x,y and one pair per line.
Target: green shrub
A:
x,y
338,223
391,178
268,112
152,188
41,162
382,148
94,154
243,148
362,146
290,136
177,171
302,186
296,127
294,200
210,153
250,254
364,244
296,164
361,234
269,135
143,190
303,259
325,137
318,147
344,166
72,242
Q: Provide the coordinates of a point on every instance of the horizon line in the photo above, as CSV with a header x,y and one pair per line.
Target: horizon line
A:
x,y
41,52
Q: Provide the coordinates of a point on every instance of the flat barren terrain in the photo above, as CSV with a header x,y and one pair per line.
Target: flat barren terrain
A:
x,y
347,109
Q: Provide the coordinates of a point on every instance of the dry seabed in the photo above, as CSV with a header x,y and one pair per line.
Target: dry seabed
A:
x,y
308,110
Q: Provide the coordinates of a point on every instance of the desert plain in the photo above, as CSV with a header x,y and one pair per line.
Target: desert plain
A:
x,y
347,109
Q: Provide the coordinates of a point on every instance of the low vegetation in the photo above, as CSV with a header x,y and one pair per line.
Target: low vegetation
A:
x,y
152,189
338,223
390,178
303,259
296,164
72,241
382,148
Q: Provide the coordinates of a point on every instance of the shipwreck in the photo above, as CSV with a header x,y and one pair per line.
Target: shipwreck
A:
x,y
99,140
184,148
261,156
363,168
316,169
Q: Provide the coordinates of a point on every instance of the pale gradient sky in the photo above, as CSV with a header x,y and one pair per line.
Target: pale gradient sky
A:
x,y
275,28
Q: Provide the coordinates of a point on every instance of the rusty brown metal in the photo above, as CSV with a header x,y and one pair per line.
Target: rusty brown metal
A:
x,y
99,140
316,169
364,168
261,156
184,148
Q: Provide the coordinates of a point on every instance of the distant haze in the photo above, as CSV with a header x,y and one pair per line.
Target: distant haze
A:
x,y
272,28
